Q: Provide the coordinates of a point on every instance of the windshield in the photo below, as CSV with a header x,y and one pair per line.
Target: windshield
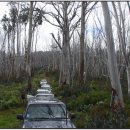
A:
x,y
45,111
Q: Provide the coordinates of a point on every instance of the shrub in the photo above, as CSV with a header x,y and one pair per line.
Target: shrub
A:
x,y
14,101
72,105
81,99
80,119
106,120
96,96
93,85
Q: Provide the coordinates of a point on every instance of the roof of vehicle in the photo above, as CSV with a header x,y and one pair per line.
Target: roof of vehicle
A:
x,y
45,101
42,94
45,85
43,80
42,90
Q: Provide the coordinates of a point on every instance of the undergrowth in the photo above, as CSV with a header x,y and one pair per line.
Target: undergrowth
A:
x,y
91,103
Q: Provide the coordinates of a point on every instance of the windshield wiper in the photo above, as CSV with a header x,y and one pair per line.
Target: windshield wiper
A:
x,y
50,112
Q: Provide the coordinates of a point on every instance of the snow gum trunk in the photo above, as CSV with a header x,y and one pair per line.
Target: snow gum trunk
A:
x,y
112,63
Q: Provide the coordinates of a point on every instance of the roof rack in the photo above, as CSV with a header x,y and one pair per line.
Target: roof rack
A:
x,y
34,99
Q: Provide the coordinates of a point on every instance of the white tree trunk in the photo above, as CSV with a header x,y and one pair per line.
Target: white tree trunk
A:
x,y
29,47
81,74
112,63
65,76
122,42
128,79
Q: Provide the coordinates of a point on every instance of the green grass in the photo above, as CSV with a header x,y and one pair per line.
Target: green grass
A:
x,y
86,103
82,102
10,101
8,117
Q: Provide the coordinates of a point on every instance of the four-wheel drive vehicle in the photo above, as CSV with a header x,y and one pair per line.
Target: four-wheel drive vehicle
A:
x,y
43,91
46,95
46,114
41,96
43,81
46,87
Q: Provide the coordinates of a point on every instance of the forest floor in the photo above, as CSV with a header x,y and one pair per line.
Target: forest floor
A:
x,y
91,103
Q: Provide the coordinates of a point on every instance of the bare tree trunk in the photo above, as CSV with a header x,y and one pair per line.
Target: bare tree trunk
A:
x,y
86,54
25,50
121,35
128,78
29,48
112,63
17,24
3,48
123,41
73,63
36,40
81,75
53,60
65,77
13,53
61,69
9,60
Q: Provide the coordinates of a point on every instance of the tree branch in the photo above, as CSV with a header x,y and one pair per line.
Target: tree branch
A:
x,y
56,41
57,10
71,8
128,5
56,18
76,24
51,22
74,13
74,27
91,7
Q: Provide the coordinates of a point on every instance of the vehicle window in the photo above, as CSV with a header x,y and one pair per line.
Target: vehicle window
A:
x,y
43,111
58,111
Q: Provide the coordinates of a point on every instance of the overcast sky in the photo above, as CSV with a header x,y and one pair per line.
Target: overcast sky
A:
x,y
44,38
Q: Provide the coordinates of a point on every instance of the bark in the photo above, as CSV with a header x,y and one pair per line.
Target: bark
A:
x,y
3,57
13,53
18,36
36,40
25,49
121,35
29,48
112,63
65,76
128,79
81,76
126,57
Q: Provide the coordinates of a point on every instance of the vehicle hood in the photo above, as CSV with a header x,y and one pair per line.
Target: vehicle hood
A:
x,y
48,124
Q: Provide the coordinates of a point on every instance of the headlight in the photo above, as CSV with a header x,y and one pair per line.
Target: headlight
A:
x,y
23,126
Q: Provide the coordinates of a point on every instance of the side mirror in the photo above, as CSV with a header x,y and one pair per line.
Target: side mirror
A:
x,y
20,116
72,115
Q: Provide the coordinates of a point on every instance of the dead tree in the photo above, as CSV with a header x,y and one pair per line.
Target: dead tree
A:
x,y
112,63
28,64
